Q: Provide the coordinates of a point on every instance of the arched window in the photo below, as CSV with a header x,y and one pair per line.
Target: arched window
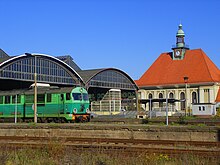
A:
x,y
183,103
160,97
194,97
150,96
111,79
171,95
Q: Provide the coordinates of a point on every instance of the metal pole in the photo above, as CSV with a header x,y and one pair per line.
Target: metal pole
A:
x,y
186,81
185,98
150,108
16,108
110,107
100,107
136,95
166,109
35,89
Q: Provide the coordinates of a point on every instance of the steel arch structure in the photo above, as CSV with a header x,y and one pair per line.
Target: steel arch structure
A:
x,y
108,78
48,68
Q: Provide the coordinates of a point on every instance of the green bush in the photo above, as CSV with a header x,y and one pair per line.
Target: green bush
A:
x,y
182,120
218,112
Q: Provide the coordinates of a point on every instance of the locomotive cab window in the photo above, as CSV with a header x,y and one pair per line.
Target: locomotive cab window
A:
x,y
85,97
77,96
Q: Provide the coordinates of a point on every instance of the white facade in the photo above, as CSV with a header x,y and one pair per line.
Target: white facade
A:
x,y
194,94
204,110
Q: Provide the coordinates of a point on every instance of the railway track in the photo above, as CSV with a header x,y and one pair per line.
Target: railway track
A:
x,y
132,146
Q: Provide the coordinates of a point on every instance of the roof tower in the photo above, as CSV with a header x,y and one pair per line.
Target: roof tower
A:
x,y
180,48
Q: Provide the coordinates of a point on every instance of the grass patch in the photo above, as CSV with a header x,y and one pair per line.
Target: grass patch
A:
x,y
56,154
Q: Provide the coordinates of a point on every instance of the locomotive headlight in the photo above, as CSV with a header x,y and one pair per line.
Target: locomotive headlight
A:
x,y
74,110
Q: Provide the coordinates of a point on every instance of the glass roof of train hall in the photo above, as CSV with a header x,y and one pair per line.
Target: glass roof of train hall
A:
x,y
108,78
49,70
62,71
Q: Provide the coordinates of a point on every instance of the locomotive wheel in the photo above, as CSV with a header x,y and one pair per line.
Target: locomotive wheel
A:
x,y
39,120
88,119
44,120
63,120
55,120
47,120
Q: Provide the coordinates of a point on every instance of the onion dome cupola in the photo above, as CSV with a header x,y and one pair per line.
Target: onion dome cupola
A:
x,y
180,47
180,37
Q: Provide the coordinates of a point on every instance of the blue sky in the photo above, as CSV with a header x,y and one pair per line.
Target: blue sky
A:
x,y
124,34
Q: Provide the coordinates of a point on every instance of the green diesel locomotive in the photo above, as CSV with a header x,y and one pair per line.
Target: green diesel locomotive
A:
x,y
54,104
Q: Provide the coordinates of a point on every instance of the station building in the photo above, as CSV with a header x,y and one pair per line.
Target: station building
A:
x,y
184,77
110,89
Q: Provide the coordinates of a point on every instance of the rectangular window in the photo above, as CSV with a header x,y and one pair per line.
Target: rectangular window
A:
x,y
13,99
61,97
85,97
1,99
67,96
203,108
29,98
77,96
49,97
18,99
179,40
7,99
40,98
199,108
206,96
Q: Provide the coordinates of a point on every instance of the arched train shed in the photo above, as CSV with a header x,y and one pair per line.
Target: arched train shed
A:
x,y
110,89
18,72
107,86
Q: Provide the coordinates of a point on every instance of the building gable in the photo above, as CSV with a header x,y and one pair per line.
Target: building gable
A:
x,y
196,65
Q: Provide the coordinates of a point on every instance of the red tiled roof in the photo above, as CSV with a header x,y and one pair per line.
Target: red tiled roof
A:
x,y
196,65
218,96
